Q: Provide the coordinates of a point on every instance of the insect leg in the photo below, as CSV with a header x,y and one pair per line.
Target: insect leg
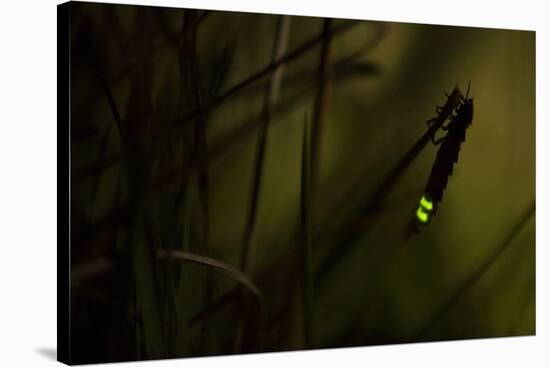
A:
x,y
438,141
467,93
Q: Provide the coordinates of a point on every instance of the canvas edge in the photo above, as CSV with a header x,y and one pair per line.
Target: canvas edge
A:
x,y
63,183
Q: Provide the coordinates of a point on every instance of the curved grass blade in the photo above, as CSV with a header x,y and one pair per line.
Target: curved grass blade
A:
x,y
214,264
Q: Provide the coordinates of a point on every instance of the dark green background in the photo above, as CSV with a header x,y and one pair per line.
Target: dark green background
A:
x,y
436,285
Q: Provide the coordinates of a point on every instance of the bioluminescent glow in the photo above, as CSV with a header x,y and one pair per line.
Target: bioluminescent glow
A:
x,y
427,204
421,215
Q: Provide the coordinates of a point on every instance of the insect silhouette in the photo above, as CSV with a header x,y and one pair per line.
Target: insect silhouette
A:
x,y
446,158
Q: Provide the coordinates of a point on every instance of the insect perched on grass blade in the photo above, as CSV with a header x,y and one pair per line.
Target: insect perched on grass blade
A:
x,y
446,158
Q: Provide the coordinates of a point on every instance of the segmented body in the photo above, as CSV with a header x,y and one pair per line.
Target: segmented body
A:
x,y
446,158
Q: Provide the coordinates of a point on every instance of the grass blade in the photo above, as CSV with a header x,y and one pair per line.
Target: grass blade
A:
x,y
307,239
213,264
248,251
320,99
348,234
472,280
269,69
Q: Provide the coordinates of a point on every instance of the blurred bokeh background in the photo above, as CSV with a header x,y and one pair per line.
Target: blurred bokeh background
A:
x,y
224,167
